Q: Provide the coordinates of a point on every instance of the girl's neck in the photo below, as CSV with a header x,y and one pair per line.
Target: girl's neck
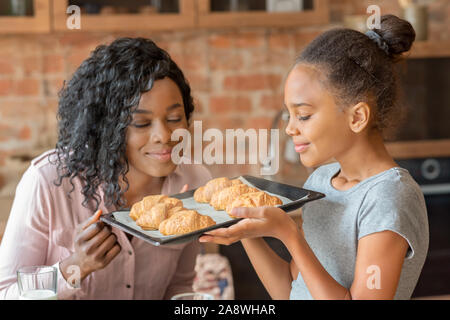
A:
x,y
367,157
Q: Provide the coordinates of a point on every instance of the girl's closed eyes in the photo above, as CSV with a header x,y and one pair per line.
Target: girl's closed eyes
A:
x,y
303,118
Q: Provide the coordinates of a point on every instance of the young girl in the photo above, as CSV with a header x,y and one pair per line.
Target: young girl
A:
x,y
368,238
116,117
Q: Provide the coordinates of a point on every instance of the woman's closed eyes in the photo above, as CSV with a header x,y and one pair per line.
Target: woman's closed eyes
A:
x,y
148,123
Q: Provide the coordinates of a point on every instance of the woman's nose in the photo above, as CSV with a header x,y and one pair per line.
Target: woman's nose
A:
x,y
160,133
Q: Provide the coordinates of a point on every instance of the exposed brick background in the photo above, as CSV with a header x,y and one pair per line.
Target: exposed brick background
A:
x,y
237,76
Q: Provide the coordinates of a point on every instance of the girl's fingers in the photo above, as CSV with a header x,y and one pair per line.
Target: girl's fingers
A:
x,y
247,212
223,232
218,240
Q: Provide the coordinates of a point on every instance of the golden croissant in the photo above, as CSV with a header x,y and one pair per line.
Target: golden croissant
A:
x,y
150,220
254,199
222,198
185,221
146,204
205,193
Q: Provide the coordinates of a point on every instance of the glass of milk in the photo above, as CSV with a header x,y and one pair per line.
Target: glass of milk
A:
x,y
193,296
37,283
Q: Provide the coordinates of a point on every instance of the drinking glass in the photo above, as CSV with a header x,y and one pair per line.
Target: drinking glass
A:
x,y
193,296
37,283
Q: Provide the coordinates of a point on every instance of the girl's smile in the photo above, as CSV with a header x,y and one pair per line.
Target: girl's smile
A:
x,y
301,147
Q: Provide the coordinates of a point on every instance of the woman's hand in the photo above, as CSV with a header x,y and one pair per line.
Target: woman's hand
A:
x,y
95,247
257,222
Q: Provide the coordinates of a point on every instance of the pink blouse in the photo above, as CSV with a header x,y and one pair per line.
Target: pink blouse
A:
x,y
41,231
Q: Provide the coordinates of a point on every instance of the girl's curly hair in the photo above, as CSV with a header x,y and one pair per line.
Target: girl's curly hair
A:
x,y
95,109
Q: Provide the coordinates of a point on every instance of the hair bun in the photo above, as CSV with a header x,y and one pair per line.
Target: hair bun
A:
x,y
397,33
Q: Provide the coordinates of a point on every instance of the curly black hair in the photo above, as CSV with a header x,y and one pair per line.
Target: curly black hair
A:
x,y
359,69
95,108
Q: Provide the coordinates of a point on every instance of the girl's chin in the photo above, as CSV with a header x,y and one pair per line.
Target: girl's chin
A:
x,y
309,161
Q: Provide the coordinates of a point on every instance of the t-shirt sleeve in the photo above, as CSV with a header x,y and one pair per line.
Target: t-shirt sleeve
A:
x,y
397,207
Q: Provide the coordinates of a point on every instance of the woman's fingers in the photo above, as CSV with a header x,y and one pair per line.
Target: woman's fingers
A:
x,y
106,245
184,189
85,224
91,231
90,227
111,254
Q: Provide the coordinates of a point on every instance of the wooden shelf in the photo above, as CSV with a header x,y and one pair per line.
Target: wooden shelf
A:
x,y
208,19
430,49
419,149
127,22
39,23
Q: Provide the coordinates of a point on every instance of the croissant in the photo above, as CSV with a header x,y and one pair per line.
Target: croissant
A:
x,y
221,198
173,202
198,195
136,210
174,210
254,199
204,194
146,204
151,219
185,221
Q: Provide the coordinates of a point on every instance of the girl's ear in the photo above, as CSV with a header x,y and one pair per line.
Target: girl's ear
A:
x,y
359,116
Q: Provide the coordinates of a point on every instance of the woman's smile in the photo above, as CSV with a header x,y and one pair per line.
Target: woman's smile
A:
x,y
163,155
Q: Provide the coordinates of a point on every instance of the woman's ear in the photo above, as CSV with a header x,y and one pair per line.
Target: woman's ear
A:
x,y
359,117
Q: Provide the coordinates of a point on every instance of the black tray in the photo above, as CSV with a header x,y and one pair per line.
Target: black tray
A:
x,y
299,197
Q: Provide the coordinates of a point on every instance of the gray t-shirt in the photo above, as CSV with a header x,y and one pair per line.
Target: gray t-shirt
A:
x,y
390,200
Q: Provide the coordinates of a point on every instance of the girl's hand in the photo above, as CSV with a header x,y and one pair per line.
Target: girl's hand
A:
x,y
257,222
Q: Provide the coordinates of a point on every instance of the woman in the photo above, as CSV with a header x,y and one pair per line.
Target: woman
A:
x,y
116,117
368,238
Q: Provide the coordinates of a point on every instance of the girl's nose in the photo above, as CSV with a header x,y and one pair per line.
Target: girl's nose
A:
x,y
291,129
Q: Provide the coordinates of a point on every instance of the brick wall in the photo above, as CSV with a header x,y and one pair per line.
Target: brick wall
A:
x,y
237,77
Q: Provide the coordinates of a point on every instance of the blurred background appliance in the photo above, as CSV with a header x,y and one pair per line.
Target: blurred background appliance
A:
x,y
433,176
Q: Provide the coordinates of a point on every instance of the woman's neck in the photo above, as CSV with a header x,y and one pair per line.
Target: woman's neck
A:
x,y
141,185
367,157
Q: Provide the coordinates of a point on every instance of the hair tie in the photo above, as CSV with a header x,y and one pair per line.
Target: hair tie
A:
x,y
375,37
